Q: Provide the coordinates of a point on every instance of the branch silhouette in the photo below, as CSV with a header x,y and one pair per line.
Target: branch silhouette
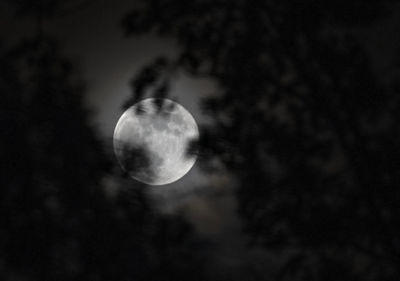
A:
x,y
303,123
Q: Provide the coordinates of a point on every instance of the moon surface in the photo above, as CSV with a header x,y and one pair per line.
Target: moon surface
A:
x,y
152,141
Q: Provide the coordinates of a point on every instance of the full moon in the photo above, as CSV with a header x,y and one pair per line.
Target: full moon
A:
x,y
152,141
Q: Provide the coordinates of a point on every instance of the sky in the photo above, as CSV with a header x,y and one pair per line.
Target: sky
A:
x,y
93,39
108,61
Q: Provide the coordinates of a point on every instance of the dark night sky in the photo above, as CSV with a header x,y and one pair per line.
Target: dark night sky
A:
x,y
93,38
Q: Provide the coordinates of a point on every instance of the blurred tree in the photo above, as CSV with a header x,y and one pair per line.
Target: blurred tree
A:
x,y
301,120
57,223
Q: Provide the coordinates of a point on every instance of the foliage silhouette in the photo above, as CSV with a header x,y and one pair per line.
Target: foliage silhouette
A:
x,y
302,122
57,222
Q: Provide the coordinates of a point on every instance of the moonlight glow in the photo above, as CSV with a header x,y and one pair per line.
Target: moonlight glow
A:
x,y
151,141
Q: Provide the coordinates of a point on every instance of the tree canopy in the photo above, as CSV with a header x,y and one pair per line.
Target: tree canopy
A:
x,y
301,120
57,222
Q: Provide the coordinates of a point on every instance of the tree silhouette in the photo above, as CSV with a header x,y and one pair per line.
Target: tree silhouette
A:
x,y
57,223
301,120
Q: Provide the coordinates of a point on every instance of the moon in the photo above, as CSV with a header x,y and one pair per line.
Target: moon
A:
x,y
152,139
